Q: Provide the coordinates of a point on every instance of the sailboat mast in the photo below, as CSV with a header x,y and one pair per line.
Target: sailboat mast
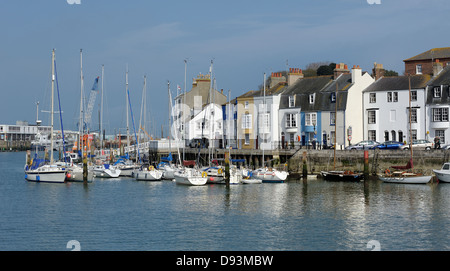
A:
x,y
81,128
184,104
264,112
101,110
410,131
335,124
211,142
170,107
52,98
126,100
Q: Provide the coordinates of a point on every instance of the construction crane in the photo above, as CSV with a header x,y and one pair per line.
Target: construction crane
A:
x,y
91,102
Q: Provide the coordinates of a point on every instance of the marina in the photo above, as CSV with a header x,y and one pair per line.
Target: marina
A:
x,y
122,214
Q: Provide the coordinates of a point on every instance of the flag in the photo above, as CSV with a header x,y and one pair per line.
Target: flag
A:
x,y
95,86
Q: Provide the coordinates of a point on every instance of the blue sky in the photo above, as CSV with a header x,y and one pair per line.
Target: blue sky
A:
x,y
244,38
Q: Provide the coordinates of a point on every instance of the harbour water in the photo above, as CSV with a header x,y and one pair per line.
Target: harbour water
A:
x,y
128,215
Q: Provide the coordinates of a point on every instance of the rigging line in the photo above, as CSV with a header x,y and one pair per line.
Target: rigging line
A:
x,y
60,113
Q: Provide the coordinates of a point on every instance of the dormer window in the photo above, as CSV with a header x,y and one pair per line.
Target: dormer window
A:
x,y
419,69
291,101
312,98
437,92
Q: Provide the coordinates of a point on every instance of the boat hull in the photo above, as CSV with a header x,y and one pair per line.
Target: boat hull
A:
x,y
145,175
57,176
251,181
406,180
270,176
442,175
190,177
106,173
76,175
341,176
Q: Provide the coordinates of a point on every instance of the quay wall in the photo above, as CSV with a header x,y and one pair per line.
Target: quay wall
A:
x,y
379,160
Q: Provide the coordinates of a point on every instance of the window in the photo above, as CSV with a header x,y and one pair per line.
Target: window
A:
x,y
414,115
393,135
311,98
333,97
437,92
332,137
372,98
373,135
414,134
291,101
372,117
291,120
310,119
386,135
247,139
440,114
413,95
264,121
441,135
395,97
389,97
419,69
247,121
246,104
332,118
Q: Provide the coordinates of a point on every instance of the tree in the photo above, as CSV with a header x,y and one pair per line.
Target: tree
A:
x,y
390,73
326,69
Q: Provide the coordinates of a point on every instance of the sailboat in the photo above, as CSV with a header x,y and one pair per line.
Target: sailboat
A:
x,y
405,174
340,175
145,172
269,174
38,170
188,176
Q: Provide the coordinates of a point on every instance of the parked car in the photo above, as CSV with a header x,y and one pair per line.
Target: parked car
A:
x,y
365,144
199,143
390,145
419,144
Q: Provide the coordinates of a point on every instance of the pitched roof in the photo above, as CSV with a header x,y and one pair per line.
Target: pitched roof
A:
x,y
399,83
443,78
323,87
434,53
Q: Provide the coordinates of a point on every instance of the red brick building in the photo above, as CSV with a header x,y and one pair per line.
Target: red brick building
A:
x,y
423,63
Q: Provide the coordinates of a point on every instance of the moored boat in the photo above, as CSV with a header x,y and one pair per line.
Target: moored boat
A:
x,y
106,171
443,174
270,175
342,175
190,176
405,178
148,174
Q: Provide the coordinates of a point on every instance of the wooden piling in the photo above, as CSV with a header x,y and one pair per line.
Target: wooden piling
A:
x,y
85,169
366,164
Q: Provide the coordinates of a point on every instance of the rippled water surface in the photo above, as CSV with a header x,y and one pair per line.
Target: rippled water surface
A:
x,y
124,214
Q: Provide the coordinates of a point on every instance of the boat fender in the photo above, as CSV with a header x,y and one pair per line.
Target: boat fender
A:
x,y
204,174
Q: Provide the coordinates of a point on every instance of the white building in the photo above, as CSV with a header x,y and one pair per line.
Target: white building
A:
x,y
386,108
207,124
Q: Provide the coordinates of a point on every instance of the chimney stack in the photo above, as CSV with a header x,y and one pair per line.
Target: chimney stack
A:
x,y
356,74
378,71
294,75
437,67
341,68
276,77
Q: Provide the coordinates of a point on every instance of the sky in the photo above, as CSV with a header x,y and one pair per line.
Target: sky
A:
x,y
243,39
